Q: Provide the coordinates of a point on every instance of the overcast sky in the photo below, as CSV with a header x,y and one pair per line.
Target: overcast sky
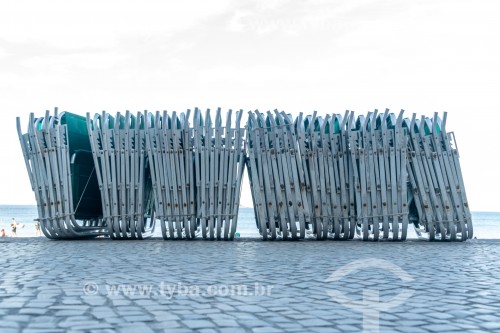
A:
x,y
329,56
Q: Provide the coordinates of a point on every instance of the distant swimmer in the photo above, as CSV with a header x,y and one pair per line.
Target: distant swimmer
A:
x,y
2,233
38,231
13,225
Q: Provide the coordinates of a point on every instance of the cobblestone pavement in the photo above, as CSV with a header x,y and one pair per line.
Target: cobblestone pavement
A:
x,y
248,286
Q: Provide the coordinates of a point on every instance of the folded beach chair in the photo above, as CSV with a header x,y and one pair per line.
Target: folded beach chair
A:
x,y
196,171
60,167
122,168
439,206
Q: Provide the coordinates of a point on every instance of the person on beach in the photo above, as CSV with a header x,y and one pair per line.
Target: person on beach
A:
x,y
38,231
2,233
13,225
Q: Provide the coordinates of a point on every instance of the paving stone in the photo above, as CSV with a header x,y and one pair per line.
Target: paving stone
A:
x,y
465,326
33,311
90,326
277,319
43,322
9,324
290,325
484,311
11,330
101,312
348,328
67,313
81,308
252,308
71,301
232,330
38,330
207,330
193,316
314,322
70,322
490,325
414,316
135,329
164,316
461,314
206,311
441,327
18,318
94,300
124,313
242,315
252,323
324,330
225,323
140,318
220,316
224,307
11,305
409,329
195,324
166,324
36,304
266,330
488,318
441,315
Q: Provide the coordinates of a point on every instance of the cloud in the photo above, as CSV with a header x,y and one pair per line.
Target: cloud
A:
x,y
310,17
81,24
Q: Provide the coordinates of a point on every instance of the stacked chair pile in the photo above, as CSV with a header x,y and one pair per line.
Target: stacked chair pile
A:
x,y
120,159
118,176
439,206
332,177
341,176
58,158
328,177
196,172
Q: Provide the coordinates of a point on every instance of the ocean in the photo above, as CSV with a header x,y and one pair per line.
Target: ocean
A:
x,y
486,224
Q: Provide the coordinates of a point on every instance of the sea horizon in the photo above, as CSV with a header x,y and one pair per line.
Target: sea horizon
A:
x,y
486,224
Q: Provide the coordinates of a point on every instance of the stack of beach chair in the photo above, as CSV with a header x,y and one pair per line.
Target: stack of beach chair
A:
x,y
117,176
171,157
331,177
58,159
277,179
328,178
440,205
197,171
121,164
378,149
219,164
